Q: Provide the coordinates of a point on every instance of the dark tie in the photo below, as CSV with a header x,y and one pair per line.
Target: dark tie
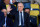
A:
x,y
21,20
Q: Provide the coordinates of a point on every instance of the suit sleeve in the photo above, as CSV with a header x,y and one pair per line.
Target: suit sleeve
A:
x,y
12,12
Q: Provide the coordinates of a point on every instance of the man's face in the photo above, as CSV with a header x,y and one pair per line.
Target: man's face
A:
x,y
27,10
13,1
5,12
20,7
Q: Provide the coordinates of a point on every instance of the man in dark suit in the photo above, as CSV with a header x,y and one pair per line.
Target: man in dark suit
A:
x,y
11,10
21,18
2,19
33,21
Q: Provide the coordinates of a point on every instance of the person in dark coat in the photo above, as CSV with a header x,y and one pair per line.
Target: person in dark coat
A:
x,y
21,21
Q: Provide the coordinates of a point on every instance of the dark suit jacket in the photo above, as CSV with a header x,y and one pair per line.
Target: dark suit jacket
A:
x,y
33,22
11,15
2,19
26,20
9,22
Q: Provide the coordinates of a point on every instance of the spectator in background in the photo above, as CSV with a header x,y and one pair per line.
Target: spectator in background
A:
x,y
6,1
27,10
33,21
5,14
8,21
35,2
15,2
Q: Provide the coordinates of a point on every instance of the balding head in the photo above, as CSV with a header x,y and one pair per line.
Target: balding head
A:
x,y
20,6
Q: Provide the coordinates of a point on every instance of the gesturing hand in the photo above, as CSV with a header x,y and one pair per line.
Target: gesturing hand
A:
x,y
9,8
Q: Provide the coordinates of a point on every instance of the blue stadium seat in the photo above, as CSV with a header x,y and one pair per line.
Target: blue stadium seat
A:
x,y
27,5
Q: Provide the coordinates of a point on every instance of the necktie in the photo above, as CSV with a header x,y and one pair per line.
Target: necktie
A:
x,y
21,19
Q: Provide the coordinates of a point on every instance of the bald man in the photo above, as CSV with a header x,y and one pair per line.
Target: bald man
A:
x,y
21,18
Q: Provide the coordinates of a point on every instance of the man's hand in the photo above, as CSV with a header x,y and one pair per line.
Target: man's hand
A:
x,y
9,8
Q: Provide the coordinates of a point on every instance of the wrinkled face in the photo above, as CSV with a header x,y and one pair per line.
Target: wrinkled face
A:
x,y
13,1
20,7
5,12
27,10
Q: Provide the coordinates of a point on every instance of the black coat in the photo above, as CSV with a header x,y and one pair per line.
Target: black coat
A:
x,y
9,22
26,20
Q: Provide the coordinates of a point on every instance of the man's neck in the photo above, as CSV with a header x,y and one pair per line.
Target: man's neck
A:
x,y
21,10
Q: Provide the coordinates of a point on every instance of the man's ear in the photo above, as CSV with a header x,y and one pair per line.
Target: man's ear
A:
x,y
23,6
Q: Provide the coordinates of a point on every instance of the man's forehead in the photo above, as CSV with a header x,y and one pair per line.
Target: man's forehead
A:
x,y
20,4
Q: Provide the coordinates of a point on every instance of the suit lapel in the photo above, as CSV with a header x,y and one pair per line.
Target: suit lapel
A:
x,y
24,16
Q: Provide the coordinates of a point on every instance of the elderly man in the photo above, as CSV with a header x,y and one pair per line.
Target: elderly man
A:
x,y
21,18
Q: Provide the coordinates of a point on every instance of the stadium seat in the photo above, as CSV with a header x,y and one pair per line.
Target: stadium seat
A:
x,y
27,5
35,6
34,12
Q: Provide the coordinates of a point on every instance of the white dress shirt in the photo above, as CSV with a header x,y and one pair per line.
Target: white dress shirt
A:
x,y
5,21
20,17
